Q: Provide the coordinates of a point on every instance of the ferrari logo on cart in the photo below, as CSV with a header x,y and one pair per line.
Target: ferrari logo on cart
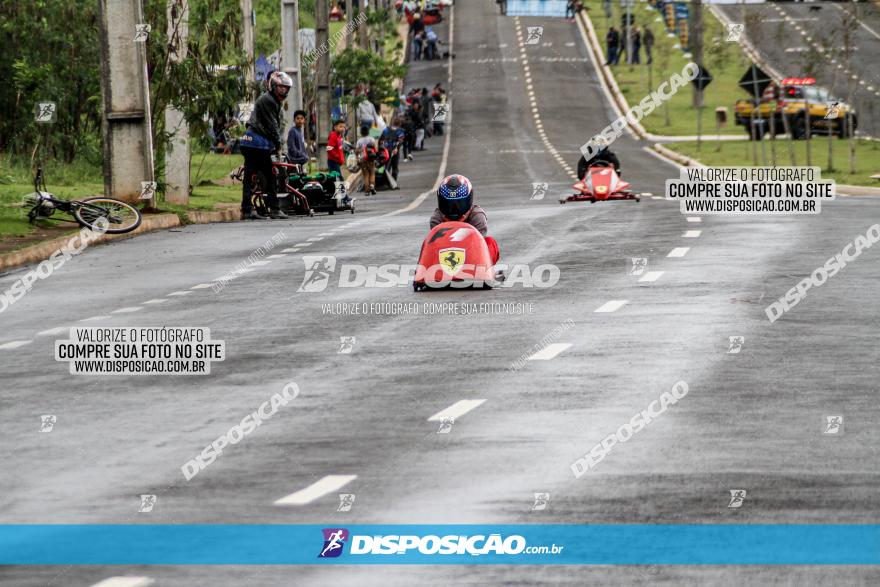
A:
x,y
451,260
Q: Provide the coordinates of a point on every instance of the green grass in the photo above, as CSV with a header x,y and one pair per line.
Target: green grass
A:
x,y
725,61
740,152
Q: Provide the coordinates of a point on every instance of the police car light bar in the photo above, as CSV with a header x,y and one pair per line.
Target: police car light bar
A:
x,y
798,81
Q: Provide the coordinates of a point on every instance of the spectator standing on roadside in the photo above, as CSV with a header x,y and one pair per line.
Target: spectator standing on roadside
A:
x,y
636,41
394,138
648,40
430,44
367,151
366,113
335,147
425,99
296,143
418,123
612,41
569,10
606,5
416,27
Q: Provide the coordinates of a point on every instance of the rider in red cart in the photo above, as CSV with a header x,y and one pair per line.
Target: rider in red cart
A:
x,y
603,155
455,202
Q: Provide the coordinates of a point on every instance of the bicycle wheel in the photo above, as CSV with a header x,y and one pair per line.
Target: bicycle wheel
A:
x,y
121,217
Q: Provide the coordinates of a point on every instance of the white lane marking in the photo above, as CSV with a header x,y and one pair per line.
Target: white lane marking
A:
x,y
612,306
158,301
550,351
315,238
694,219
54,331
679,252
651,276
656,197
459,408
124,582
293,250
128,310
864,26
318,489
94,318
180,293
202,286
303,244
692,233
14,344
260,263
326,234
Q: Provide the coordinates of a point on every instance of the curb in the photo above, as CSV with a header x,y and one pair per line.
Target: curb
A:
x,y
42,251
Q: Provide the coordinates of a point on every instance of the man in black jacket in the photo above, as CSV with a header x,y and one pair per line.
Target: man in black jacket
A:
x,y
262,138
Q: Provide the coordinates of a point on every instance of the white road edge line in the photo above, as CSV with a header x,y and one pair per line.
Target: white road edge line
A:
x,y
456,410
14,344
156,301
679,252
128,310
316,490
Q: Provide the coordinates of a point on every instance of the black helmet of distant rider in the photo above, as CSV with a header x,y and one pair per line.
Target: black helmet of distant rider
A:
x,y
604,154
280,84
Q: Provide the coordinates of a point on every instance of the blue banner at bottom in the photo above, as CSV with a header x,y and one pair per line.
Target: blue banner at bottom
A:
x,y
279,544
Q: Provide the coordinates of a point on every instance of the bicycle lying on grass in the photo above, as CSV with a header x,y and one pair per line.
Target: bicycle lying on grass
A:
x,y
120,216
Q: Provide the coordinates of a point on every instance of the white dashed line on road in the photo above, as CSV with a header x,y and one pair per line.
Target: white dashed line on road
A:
x,y
303,244
202,286
180,293
125,582
456,410
128,310
651,276
157,301
260,263
612,306
692,233
54,331
694,219
293,250
94,318
679,252
550,351
316,490
276,256
14,344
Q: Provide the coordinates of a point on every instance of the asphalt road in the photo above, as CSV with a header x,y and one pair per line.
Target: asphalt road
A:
x,y
788,34
752,420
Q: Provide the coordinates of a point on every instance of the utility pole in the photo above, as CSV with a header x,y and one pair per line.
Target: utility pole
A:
x,y
126,129
364,42
696,47
247,37
177,170
290,58
322,81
